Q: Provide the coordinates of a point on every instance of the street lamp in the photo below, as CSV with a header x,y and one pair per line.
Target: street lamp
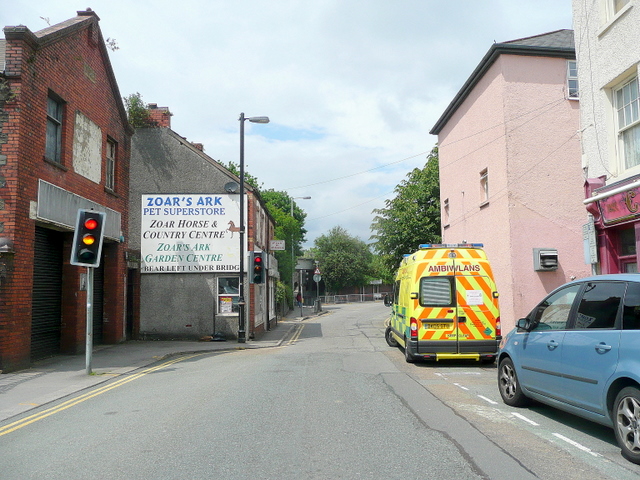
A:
x,y
293,269
241,303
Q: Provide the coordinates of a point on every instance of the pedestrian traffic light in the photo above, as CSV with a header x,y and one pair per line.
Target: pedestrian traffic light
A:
x,y
257,267
87,238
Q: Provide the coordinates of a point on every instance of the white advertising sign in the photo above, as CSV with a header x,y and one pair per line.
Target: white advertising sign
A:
x,y
190,233
277,245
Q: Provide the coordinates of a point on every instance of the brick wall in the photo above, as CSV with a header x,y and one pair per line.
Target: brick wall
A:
x,y
71,61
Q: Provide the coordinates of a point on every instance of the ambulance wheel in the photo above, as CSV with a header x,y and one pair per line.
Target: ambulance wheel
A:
x,y
388,336
407,355
509,385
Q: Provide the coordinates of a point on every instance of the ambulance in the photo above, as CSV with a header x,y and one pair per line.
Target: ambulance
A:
x,y
445,305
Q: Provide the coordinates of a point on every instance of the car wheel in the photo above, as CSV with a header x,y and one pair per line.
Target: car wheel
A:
x,y
407,355
509,385
626,423
391,341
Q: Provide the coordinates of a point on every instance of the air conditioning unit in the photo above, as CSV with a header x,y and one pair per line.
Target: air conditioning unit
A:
x,y
545,259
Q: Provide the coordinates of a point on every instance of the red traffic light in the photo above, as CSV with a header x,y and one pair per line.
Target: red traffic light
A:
x,y
91,224
257,266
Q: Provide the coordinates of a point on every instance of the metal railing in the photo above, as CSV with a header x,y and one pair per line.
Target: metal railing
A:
x,y
352,298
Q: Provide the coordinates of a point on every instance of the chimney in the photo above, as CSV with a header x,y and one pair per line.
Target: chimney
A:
x,y
199,146
160,115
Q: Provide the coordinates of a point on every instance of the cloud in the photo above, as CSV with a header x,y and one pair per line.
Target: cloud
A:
x,y
352,88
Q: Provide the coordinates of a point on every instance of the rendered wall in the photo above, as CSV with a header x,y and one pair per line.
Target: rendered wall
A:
x,y
517,124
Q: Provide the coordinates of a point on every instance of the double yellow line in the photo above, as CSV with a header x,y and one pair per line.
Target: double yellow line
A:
x,y
93,393
296,334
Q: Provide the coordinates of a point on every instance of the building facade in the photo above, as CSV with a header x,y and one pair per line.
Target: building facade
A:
x,y
64,145
185,234
608,70
510,175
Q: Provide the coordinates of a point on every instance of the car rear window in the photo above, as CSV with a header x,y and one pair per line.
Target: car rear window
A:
x,y
436,292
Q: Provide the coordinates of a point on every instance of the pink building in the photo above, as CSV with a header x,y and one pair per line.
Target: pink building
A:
x,y
510,168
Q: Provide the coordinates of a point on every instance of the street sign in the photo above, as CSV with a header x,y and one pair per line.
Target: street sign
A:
x,y
317,271
276,245
317,278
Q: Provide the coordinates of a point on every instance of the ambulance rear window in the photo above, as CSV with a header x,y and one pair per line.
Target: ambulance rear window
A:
x,y
436,292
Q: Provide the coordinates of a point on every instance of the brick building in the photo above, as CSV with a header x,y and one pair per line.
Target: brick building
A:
x,y
64,145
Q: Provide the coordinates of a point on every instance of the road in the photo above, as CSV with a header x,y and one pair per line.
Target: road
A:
x,y
333,402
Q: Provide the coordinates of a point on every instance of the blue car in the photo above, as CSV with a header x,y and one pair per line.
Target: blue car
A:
x,y
579,351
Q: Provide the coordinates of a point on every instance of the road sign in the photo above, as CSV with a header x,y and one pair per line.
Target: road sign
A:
x,y
277,244
317,271
317,278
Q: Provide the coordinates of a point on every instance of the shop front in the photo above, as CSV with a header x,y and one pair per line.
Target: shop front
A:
x,y
615,209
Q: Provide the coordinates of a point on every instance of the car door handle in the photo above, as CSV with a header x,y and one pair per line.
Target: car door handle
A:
x,y
552,345
602,348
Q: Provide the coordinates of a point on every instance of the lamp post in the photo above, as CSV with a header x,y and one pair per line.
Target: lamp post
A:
x,y
241,303
293,267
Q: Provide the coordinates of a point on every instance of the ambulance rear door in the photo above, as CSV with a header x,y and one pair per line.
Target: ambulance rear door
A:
x,y
477,313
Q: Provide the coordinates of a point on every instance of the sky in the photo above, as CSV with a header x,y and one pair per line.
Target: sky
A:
x,y
352,88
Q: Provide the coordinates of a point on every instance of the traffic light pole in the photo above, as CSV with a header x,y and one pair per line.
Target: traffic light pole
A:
x,y
89,344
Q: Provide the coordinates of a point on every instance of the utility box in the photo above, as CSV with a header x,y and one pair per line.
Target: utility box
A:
x,y
545,259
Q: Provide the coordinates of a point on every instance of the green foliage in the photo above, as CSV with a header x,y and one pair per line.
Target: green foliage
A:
x,y
380,271
284,294
248,178
344,260
288,228
411,218
138,112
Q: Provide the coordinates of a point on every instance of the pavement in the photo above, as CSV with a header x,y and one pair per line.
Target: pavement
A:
x,y
56,377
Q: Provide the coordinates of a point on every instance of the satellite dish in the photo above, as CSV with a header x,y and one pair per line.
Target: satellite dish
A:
x,y
231,187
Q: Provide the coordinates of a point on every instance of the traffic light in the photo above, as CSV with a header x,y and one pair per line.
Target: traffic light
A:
x,y
257,267
87,238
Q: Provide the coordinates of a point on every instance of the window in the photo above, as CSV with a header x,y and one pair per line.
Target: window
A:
x,y
553,313
228,294
612,8
631,312
618,4
484,186
53,145
572,79
599,305
111,164
436,292
627,104
445,212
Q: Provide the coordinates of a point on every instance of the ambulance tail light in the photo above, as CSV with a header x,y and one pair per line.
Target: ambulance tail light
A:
x,y
414,328
498,327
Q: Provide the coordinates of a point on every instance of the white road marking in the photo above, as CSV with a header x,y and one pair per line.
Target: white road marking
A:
x,y
525,419
460,386
488,400
577,445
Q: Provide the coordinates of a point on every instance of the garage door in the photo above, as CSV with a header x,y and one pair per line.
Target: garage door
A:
x,y
47,294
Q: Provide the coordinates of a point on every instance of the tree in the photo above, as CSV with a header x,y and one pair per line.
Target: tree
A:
x,y
412,217
138,112
345,260
288,228
248,178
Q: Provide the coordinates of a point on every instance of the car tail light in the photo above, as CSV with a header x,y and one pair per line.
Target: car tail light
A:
x,y
414,328
498,327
